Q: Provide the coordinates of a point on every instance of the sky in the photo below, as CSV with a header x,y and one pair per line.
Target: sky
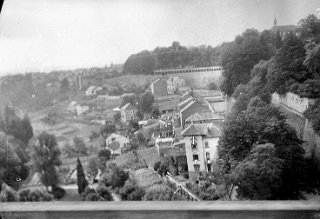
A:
x,y
47,35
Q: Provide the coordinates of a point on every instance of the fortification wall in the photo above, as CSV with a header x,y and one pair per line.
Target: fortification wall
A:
x,y
294,106
292,101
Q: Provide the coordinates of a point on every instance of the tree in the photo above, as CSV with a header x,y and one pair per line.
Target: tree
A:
x,y
79,146
46,158
107,129
93,166
287,66
239,56
313,114
131,191
103,156
212,86
260,124
117,117
10,168
309,29
259,176
81,178
64,84
155,113
145,102
114,176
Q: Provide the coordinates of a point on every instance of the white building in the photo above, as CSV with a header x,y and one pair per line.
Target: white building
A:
x,y
174,83
92,90
201,141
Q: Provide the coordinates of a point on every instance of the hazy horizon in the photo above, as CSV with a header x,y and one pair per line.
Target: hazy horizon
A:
x,y
47,35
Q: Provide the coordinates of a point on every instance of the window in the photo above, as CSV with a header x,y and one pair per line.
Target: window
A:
x,y
208,155
196,167
206,144
195,157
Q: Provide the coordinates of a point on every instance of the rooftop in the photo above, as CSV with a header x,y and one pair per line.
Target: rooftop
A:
x,y
197,117
128,106
207,130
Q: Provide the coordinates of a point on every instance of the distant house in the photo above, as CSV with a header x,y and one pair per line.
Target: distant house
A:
x,y
159,88
93,90
128,112
191,107
115,143
81,109
167,104
72,107
109,102
201,141
174,83
76,108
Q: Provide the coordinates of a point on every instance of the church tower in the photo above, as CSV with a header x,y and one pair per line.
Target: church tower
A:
x,y
275,22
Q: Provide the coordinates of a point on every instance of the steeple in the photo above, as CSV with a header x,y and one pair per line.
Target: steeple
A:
x,y
275,22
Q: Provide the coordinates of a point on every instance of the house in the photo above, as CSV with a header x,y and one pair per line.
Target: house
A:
x,y
201,141
167,104
81,109
174,83
192,107
76,108
115,143
128,112
159,88
93,90
108,102
72,107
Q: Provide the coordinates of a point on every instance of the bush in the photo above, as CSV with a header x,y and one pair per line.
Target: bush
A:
x,y
34,196
93,197
104,192
185,175
115,176
131,191
58,192
156,166
8,194
86,192
212,86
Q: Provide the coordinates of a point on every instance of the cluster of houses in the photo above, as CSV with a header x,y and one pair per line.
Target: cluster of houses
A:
x,y
188,129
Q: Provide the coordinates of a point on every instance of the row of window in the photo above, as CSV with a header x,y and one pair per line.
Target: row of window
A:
x,y
196,156
186,71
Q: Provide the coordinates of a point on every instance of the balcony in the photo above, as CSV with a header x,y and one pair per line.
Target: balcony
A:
x,y
162,209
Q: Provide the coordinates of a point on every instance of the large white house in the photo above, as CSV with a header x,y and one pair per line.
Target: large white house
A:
x,y
201,142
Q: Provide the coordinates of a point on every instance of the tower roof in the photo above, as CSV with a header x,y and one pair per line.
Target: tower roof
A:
x,y
275,22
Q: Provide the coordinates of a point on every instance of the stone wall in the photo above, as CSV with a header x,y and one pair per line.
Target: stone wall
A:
x,y
292,101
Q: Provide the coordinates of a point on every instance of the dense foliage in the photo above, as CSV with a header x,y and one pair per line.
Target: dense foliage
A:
x,y
175,56
247,137
46,158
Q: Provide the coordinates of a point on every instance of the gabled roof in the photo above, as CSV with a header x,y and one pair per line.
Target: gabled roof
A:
x,y
197,117
128,106
207,130
158,80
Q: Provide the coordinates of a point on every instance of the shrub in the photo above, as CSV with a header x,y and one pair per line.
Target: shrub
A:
x,y
115,176
8,195
34,196
131,191
58,192
93,197
156,166
86,192
104,192
185,175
